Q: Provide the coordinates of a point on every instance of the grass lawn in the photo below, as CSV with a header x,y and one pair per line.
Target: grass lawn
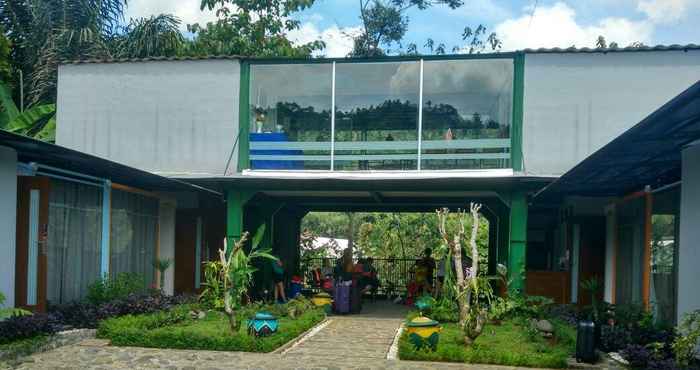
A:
x,y
510,343
175,330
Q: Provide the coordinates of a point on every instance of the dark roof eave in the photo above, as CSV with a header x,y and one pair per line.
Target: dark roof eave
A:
x,y
32,150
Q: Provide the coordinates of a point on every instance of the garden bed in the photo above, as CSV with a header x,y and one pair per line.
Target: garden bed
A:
x,y
177,329
512,343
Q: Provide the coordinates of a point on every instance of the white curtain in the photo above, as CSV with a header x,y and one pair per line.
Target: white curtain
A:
x,y
630,251
133,235
75,232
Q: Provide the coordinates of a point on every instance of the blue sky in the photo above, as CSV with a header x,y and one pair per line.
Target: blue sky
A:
x,y
519,23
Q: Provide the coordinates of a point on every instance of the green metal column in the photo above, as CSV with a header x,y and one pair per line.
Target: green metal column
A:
x,y
244,119
518,242
516,135
235,203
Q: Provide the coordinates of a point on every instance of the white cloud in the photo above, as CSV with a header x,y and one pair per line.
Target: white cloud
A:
x,y
556,26
187,10
338,41
664,11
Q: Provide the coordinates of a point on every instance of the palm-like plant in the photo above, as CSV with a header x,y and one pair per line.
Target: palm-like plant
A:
x,y
238,269
158,35
162,265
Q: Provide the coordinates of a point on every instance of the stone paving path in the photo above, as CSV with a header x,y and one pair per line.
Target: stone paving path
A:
x,y
350,337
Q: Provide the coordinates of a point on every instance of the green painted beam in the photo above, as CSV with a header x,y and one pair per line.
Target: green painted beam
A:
x,y
244,119
516,134
518,242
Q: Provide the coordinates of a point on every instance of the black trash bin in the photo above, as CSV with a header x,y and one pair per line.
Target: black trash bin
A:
x,y
585,342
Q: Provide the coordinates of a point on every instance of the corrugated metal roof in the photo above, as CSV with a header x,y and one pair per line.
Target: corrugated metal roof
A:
x,y
674,47
152,59
570,50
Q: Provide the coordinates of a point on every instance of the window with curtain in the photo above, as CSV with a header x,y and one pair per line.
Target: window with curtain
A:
x,y
630,251
664,253
133,235
74,237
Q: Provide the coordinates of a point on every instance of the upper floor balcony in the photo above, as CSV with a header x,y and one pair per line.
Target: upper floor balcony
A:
x,y
345,115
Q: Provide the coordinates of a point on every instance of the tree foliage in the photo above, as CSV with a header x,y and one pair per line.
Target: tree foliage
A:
x,y
392,235
384,25
246,27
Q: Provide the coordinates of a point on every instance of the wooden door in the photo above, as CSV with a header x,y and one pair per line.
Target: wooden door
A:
x,y
591,256
185,240
32,235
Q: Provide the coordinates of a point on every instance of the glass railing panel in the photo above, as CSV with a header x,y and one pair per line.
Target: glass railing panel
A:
x,y
467,113
376,116
290,116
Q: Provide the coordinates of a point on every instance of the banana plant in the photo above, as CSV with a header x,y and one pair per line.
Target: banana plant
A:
x,y
39,121
8,109
238,272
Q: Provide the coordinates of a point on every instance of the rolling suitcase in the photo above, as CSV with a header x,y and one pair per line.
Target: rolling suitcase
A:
x,y
341,298
585,342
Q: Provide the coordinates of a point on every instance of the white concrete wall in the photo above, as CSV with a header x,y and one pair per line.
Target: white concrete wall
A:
x,y
576,103
166,240
168,117
8,223
689,249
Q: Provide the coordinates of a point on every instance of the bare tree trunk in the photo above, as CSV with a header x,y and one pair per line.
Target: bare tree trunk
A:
x,y
474,208
351,230
462,296
455,244
472,326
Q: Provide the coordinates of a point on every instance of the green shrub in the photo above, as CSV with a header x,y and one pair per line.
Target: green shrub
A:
x,y
685,344
175,329
119,287
135,324
6,312
528,306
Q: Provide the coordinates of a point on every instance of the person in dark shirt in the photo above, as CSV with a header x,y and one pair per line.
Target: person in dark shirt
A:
x,y
278,278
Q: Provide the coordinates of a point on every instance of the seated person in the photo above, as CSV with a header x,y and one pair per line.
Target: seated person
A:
x,y
368,279
425,268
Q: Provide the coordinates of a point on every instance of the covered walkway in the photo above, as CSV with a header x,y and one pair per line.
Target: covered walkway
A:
x,y
280,199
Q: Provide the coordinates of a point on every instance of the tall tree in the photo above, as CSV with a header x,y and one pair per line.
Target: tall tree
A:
x,y
251,27
385,23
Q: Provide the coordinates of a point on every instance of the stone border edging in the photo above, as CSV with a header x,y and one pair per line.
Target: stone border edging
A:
x,y
303,337
60,339
393,353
